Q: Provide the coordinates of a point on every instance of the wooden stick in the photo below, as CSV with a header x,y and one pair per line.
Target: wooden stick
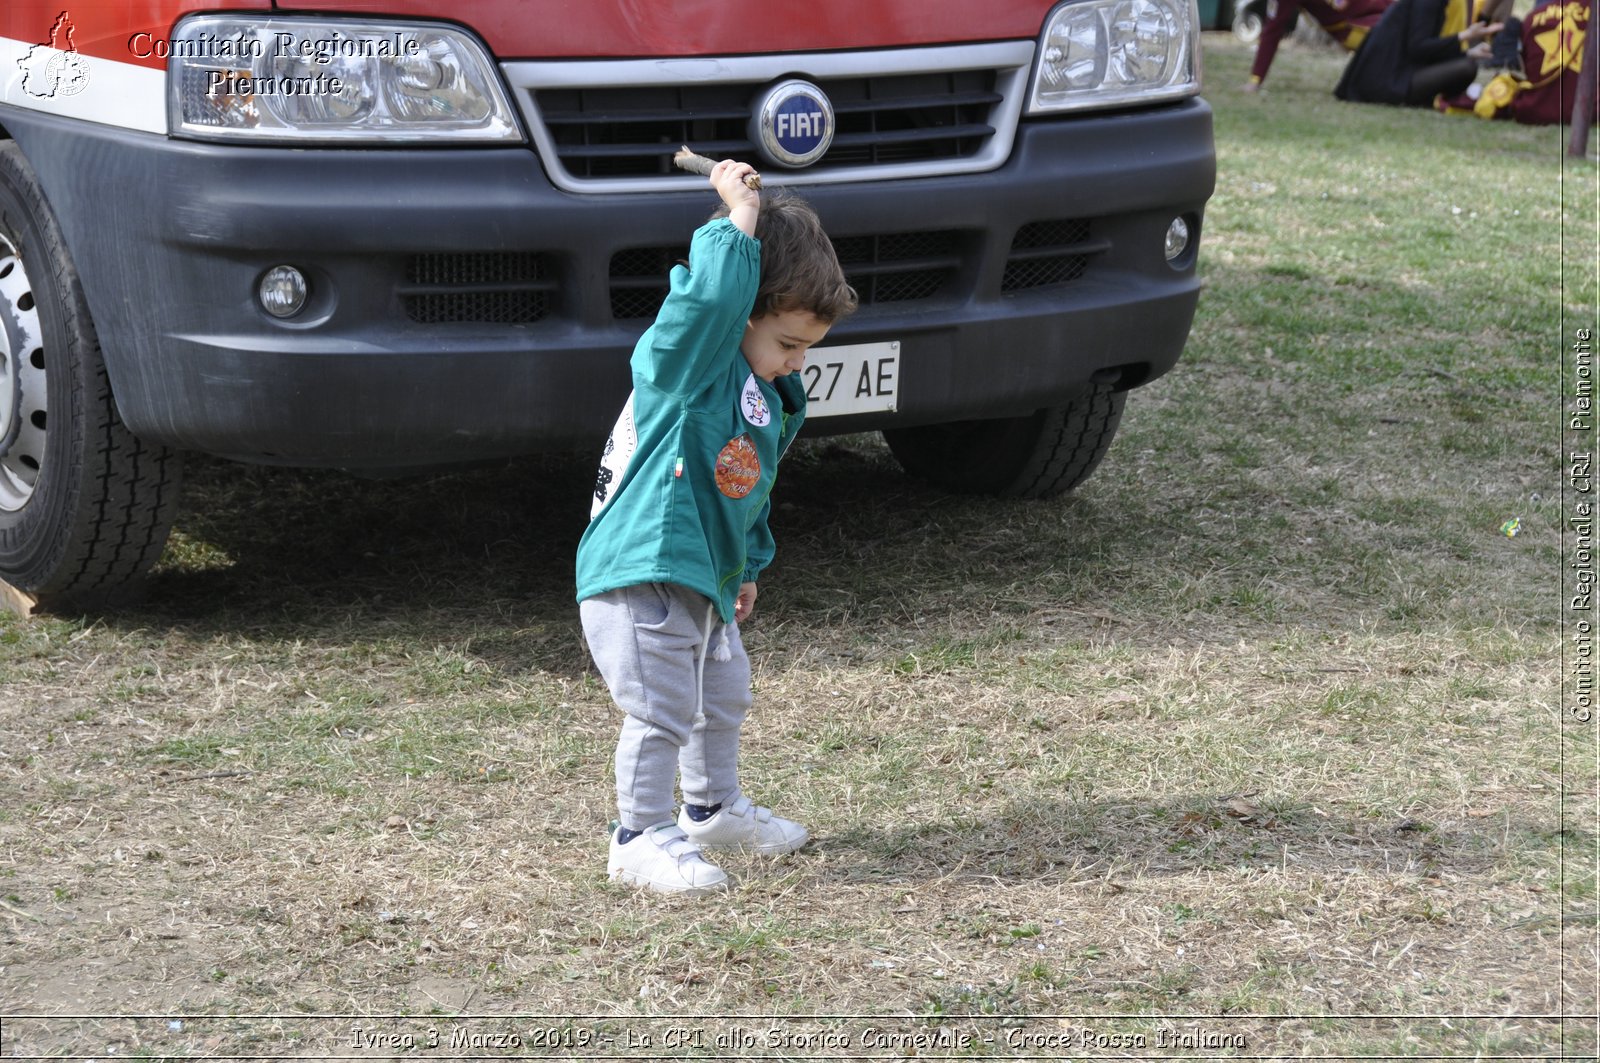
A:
x,y
14,910
688,160
18,603
203,776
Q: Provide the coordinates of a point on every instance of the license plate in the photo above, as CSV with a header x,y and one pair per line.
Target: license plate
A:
x,y
855,378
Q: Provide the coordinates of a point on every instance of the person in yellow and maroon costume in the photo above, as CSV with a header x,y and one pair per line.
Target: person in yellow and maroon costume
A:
x,y
1421,49
1552,41
1346,21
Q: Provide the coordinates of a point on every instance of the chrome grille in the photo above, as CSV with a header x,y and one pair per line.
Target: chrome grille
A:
x,y
633,132
612,125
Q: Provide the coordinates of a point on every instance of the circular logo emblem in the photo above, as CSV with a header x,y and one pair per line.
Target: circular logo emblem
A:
x,y
792,123
68,72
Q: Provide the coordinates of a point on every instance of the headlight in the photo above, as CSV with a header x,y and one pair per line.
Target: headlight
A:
x,y
310,80
1109,53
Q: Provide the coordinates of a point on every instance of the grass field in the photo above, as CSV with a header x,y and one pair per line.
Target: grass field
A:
x,y
1251,748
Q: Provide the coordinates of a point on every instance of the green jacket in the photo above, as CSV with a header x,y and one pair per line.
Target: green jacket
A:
x,y
682,492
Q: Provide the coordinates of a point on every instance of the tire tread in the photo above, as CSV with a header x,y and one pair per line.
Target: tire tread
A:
x,y
1072,442
123,493
1037,456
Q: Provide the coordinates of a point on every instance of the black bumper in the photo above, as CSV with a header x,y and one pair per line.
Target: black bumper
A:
x,y
170,238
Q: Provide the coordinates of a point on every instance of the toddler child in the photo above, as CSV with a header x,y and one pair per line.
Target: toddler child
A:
x,y
677,535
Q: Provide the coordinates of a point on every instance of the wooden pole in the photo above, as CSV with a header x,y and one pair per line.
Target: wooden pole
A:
x,y
17,602
1583,102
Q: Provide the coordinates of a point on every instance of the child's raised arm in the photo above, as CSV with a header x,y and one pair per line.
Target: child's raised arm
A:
x,y
744,202
702,320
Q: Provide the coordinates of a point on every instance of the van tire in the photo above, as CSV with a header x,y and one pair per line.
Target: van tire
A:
x,y
85,507
1042,455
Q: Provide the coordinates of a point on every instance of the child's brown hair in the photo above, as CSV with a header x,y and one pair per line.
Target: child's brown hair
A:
x,y
799,268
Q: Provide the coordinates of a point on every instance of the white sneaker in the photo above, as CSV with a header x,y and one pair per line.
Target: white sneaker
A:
x,y
744,825
664,860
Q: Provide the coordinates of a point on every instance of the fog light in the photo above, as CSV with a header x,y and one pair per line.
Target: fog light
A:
x,y
284,289
1177,238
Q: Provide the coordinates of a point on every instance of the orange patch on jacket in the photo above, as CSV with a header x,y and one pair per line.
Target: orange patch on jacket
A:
x,y
738,467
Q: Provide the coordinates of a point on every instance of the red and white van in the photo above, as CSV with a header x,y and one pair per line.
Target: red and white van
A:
x,y
385,235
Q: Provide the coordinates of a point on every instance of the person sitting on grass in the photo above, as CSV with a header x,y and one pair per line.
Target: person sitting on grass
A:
x,y
1346,21
1421,49
678,538
1540,59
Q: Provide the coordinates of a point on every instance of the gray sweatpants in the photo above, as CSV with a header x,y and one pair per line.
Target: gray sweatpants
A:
x,y
653,644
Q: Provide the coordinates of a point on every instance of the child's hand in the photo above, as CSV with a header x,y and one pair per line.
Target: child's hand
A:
x,y
745,604
744,202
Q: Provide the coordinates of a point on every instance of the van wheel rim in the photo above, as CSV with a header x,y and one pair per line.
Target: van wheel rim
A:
x,y
23,395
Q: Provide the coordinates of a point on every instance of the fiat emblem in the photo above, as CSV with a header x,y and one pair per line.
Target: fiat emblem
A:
x,y
792,123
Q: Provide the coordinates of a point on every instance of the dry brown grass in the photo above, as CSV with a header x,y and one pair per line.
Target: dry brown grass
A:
x,y
1028,809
